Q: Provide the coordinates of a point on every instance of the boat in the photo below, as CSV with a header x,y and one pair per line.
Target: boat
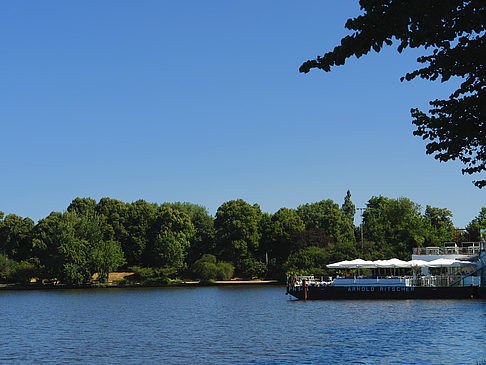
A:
x,y
449,272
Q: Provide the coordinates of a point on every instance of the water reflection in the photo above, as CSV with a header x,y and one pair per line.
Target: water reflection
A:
x,y
235,325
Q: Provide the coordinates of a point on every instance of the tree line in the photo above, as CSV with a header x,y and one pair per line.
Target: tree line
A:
x,y
164,242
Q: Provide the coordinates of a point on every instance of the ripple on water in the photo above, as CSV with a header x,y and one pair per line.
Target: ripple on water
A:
x,y
253,325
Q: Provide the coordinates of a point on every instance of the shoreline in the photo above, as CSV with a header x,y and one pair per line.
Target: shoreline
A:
x,y
114,285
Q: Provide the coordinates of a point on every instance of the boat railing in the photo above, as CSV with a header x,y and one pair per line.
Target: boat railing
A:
x,y
423,281
470,250
445,280
374,281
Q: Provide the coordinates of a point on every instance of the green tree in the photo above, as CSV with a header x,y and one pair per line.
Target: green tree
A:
x,y
82,206
348,208
280,238
71,247
170,236
478,225
206,268
45,242
237,227
105,257
308,261
203,222
311,237
439,226
327,215
16,237
115,222
139,224
7,267
394,225
454,31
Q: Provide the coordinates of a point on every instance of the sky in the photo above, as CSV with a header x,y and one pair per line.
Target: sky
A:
x,y
202,101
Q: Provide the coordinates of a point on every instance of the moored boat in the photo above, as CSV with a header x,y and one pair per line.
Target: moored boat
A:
x,y
449,272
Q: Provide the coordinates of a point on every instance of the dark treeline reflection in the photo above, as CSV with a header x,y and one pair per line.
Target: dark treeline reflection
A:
x,y
161,243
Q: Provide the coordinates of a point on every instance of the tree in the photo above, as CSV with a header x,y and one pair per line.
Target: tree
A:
x,y
203,238
477,227
394,225
169,239
308,261
439,226
348,208
139,220
311,237
206,268
237,227
16,237
455,31
76,235
285,223
82,206
327,215
71,247
105,257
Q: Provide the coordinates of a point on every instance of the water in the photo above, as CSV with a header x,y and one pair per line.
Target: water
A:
x,y
249,325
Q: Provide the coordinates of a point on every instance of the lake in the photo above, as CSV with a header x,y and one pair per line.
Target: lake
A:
x,y
221,325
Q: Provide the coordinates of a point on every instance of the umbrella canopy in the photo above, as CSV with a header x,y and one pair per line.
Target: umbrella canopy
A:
x,y
337,265
353,264
391,264
396,264
419,263
448,263
358,263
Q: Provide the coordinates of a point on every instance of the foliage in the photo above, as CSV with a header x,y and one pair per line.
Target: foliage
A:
x,y
17,272
89,239
115,222
328,216
82,206
24,272
169,240
238,233
455,31
138,224
206,268
311,237
395,225
308,261
478,225
252,268
71,247
348,208
153,276
203,238
106,256
439,226
280,231
15,237
7,267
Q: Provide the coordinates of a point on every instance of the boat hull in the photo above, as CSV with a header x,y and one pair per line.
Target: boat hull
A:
x,y
387,292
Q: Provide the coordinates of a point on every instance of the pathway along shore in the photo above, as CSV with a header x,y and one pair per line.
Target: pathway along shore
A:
x,y
115,278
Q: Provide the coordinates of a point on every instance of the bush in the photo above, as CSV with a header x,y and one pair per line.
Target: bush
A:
x,y
7,267
206,268
308,261
254,268
224,270
23,273
152,276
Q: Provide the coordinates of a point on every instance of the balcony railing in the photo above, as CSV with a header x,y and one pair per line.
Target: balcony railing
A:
x,y
470,250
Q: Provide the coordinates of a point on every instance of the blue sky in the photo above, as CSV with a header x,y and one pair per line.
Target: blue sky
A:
x,y
203,102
